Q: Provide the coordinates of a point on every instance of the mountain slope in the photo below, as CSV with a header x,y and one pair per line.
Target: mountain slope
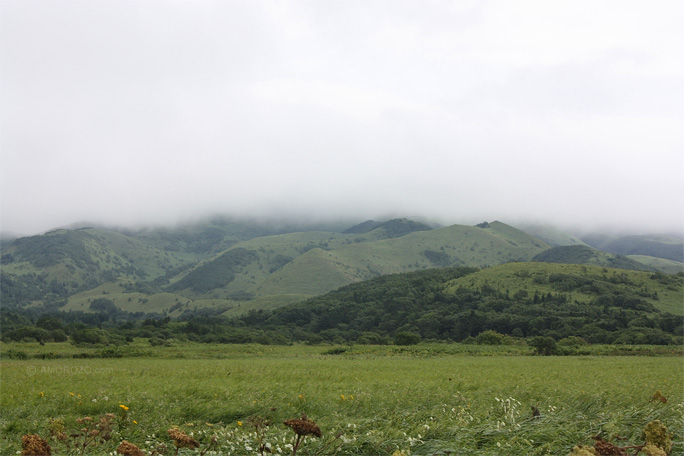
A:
x,y
308,264
654,245
519,299
582,254
659,264
552,235
237,266
579,282
64,262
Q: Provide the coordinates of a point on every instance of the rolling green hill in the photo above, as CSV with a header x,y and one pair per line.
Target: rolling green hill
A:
x,y
63,262
582,254
660,246
389,229
234,266
659,264
579,282
309,264
552,235
517,299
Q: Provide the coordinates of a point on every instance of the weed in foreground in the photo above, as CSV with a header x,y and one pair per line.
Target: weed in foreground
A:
x,y
658,442
181,439
128,449
34,445
302,428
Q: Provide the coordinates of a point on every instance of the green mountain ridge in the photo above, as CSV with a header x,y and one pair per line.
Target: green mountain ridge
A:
x,y
318,262
234,266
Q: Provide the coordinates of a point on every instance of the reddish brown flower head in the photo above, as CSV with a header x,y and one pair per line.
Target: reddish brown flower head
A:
x,y
33,445
304,427
181,439
128,449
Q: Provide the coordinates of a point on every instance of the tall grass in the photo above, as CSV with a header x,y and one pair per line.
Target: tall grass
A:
x,y
377,402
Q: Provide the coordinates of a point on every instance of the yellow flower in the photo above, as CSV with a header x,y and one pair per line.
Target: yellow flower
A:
x,y
239,423
135,422
123,407
342,396
41,394
71,394
351,397
301,397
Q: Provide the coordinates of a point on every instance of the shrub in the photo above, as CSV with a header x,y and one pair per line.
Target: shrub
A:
x,y
406,338
543,345
490,337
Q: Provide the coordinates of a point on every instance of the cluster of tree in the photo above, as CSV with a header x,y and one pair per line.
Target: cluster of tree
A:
x,y
379,309
400,309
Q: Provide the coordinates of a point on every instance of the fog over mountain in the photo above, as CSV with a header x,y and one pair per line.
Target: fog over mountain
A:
x,y
150,112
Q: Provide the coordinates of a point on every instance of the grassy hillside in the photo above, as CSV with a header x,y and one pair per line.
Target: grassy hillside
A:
x,y
212,236
518,299
552,235
582,254
528,279
654,245
309,264
63,262
659,264
234,266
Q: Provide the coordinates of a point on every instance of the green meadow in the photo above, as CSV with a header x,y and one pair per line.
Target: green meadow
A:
x,y
441,399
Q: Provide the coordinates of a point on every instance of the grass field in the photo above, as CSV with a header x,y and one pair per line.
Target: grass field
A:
x,y
366,400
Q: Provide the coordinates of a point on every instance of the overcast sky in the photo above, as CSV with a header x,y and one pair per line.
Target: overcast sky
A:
x,y
156,111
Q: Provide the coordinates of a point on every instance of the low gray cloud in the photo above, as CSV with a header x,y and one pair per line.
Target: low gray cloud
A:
x,y
158,111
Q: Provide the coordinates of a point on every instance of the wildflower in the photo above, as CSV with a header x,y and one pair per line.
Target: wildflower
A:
x,y
71,394
604,447
302,428
651,449
656,434
342,396
56,428
33,445
42,394
128,449
135,422
182,440
124,407
658,397
239,423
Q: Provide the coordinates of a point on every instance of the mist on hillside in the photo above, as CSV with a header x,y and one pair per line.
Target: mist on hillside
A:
x,y
152,113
